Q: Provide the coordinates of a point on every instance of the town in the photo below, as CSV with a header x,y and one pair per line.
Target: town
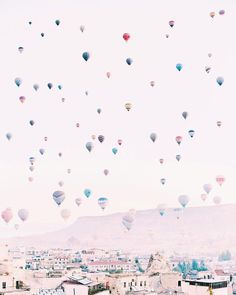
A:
x,y
97,271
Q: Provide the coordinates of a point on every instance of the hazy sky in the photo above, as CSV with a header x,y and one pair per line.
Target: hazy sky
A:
x,y
135,172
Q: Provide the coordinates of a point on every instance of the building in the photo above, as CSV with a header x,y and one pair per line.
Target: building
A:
x,y
110,266
206,286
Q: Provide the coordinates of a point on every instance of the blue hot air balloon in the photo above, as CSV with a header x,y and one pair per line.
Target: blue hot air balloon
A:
x,y
9,136
50,85
87,192
179,67
129,61
57,22
89,146
220,80
114,150
86,56
18,81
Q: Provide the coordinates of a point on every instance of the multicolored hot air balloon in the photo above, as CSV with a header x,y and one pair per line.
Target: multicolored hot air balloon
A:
x,y
220,179
101,138
128,106
171,23
58,197
179,139
18,81
103,202
191,133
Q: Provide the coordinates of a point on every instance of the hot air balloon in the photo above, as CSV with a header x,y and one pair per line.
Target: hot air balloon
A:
x,y
7,215
183,200
32,160
220,80
209,54
22,99
161,208
178,157
78,201
42,34
61,183
86,56
178,139
45,138
93,137
50,85
31,122
99,111
167,36
101,138
42,151
36,87
108,75
31,168
63,99
87,192
126,36
115,151
59,87
152,83
23,214
161,161
128,106
220,179
207,69
185,115
16,226
179,67
212,14
20,49
65,214
86,93
207,188
103,202
129,61
217,200
106,172
119,141
77,124
127,221
30,23
58,197
221,12
57,22
89,146
203,197
171,23
9,136
68,171
82,28
18,81
153,137
163,181
191,133
219,123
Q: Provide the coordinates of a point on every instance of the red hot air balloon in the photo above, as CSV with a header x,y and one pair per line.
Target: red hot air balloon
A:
x,y
126,36
178,139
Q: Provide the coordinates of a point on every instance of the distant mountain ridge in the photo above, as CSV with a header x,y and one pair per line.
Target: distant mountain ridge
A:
x,y
192,230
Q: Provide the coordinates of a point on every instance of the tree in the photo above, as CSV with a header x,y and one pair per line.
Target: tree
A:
x,y
195,265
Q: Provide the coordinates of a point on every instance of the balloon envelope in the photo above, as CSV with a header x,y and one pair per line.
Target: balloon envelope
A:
x,y
103,202
58,197
220,80
65,214
179,67
153,137
7,215
86,56
207,187
87,192
23,214
183,200
89,146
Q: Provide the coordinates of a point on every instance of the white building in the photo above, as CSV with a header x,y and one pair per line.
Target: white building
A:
x,y
109,266
206,286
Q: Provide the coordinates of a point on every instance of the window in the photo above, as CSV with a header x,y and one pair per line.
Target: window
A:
x,y
124,284
4,285
179,283
145,283
141,284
